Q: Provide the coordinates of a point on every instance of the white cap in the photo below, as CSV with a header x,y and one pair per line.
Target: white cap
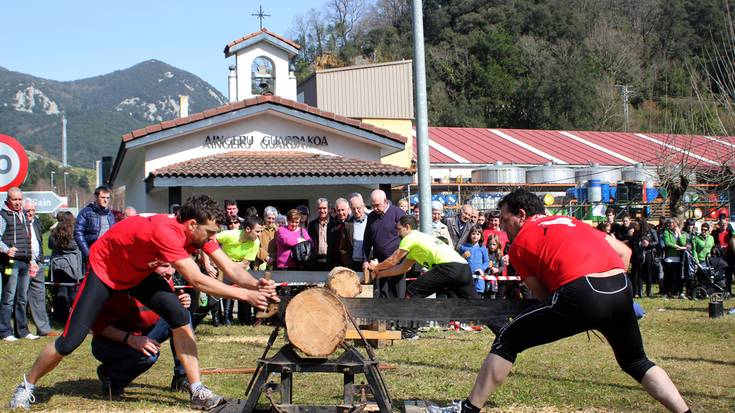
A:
x,y
437,205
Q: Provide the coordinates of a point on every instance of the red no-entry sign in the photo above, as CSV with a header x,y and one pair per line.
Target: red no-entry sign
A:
x,y
13,163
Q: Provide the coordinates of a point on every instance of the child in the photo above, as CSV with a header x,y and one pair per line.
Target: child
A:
x,y
497,267
476,256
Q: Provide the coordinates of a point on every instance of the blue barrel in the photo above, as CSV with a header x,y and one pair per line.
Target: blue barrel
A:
x,y
594,190
414,199
572,193
651,194
582,194
605,190
613,192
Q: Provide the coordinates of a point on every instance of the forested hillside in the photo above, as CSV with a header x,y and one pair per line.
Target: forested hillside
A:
x,y
551,64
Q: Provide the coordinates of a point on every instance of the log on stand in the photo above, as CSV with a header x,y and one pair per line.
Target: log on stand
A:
x,y
344,282
316,322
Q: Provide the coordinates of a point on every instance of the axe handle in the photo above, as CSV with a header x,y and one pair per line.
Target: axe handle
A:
x,y
272,307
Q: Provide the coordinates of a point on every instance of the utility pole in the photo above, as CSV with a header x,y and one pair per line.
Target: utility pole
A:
x,y
63,141
422,123
626,95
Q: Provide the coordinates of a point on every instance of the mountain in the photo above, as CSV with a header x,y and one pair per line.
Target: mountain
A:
x,y
98,109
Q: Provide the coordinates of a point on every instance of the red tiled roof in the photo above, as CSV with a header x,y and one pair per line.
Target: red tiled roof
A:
x,y
253,34
481,146
277,100
277,164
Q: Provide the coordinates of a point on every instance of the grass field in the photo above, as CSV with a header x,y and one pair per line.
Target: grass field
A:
x,y
573,375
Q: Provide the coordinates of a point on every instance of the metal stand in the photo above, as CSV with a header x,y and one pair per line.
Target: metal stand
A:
x,y
287,361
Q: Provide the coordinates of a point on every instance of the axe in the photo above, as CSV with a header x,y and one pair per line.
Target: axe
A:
x,y
272,307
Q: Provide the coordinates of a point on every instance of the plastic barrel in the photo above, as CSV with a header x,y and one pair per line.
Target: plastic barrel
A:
x,y
651,194
594,190
621,192
605,190
582,194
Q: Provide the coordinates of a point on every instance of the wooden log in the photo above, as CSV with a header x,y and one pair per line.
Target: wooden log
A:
x,y
316,321
344,282
352,334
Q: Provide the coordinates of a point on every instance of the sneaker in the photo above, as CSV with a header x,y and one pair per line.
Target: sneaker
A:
x,y
106,387
10,338
455,407
205,399
22,397
30,336
180,383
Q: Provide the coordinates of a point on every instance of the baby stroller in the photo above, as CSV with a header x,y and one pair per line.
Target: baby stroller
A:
x,y
709,278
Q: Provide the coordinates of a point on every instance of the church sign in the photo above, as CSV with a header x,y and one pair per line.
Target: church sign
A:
x,y
266,142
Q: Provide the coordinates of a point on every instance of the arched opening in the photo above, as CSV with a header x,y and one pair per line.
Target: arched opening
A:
x,y
263,75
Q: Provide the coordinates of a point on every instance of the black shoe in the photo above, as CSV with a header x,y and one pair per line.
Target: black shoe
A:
x,y
106,384
180,383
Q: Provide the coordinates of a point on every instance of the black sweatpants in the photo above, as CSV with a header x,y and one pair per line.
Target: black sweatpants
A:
x,y
453,278
154,292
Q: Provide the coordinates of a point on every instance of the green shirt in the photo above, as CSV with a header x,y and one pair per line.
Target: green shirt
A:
x,y
236,249
702,247
427,250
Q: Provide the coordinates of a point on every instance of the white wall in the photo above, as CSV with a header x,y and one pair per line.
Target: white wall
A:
x,y
280,59
191,146
131,176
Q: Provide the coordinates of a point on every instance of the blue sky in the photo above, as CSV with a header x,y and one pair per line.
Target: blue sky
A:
x,y
75,39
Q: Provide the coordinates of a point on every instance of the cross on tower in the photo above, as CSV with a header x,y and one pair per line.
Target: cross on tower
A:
x,y
260,15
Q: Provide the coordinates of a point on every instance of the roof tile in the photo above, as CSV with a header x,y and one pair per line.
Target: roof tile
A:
x,y
272,164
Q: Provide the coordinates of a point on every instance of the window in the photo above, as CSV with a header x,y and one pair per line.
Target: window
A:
x,y
263,76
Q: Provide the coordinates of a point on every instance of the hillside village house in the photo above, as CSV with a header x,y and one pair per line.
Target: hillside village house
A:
x,y
265,147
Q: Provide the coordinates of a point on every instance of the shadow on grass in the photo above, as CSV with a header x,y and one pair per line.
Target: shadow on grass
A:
x,y
579,381
698,360
90,389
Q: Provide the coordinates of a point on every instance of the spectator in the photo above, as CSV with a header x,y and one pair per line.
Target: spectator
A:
x,y
675,242
65,265
267,239
719,233
476,255
93,220
438,228
127,336
605,227
381,241
241,246
37,287
497,264
319,233
702,244
287,237
251,211
340,236
358,221
610,218
232,212
481,220
281,221
405,206
304,210
416,211
621,231
475,215
130,212
460,225
233,223
493,228
19,263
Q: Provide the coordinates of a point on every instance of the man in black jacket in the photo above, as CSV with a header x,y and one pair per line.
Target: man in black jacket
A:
x,y
319,232
18,263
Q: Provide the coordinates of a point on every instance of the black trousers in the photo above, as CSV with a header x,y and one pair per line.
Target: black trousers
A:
x,y
454,279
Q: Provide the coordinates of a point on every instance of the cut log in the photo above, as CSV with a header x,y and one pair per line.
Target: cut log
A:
x,y
344,282
316,321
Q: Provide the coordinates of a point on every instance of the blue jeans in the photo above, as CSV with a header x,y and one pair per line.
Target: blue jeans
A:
x,y
14,301
124,363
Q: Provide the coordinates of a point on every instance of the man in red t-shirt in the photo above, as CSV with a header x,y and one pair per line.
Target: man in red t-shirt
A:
x,y
124,259
578,273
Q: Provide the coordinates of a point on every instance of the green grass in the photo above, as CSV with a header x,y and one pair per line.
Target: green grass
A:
x,y
572,375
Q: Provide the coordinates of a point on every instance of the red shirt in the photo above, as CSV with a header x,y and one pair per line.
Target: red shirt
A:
x,y
502,237
558,249
132,248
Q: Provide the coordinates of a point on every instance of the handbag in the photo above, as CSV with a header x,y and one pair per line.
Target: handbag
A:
x,y
303,253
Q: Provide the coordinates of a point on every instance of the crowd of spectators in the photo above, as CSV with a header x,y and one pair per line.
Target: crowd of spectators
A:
x,y
670,254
